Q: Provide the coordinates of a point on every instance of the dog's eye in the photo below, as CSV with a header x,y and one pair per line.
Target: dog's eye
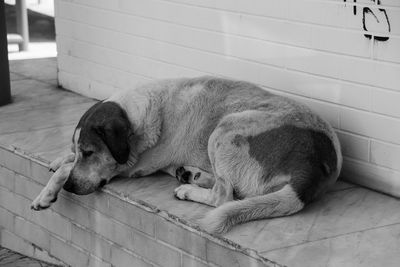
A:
x,y
86,153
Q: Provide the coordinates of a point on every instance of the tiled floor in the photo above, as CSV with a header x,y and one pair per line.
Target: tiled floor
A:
x,y
349,226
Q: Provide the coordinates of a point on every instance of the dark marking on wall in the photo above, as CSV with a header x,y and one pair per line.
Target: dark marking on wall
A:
x,y
379,16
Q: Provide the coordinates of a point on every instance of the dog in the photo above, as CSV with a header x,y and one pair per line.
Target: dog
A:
x,y
234,146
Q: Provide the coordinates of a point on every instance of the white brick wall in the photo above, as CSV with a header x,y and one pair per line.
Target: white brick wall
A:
x,y
316,51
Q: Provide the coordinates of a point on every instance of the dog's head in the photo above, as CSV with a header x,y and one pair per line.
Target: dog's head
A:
x,y
101,146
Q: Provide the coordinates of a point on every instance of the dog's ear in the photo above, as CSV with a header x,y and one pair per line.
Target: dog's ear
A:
x,y
115,134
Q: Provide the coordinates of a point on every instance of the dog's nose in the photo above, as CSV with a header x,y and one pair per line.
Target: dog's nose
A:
x,y
69,186
102,183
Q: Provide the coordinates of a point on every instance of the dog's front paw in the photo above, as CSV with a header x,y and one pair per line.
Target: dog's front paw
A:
x,y
56,164
44,200
182,192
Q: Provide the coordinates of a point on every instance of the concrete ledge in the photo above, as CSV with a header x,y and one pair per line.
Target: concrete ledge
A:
x,y
137,222
108,227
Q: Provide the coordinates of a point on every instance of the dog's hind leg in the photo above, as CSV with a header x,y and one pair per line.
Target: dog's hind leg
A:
x,y
49,193
191,175
277,204
58,162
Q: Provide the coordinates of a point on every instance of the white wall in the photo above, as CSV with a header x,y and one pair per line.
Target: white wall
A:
x,y
314,51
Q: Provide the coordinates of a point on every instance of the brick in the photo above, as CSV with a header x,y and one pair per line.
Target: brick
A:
x,y
72,210
226,257
181,238
32,232
354,146
365,174
188,261
7,178
100,247
58,225
39,173
103,225
81,237
6,196
27,187
6,219
96,262
15,162
122,258
68,253
91,242
97,200
385,154
124,235
108,74
131,215
154,251
388,51
325,39
44,255
371,125
14,203
385,102
12,241
133,240
48,219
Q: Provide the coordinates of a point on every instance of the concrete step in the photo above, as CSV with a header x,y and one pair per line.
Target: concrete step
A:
x,y
138,222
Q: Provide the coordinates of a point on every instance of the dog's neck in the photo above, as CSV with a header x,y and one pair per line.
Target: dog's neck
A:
x,y
143,111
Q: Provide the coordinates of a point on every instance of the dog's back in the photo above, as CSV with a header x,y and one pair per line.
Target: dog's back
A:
x,y
271,153
276,153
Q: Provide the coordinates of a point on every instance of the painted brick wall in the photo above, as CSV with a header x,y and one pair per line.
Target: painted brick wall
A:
x,y
98,230
340,57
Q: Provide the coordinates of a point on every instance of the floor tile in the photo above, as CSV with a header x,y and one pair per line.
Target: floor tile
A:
x,y
375,247
336,213
341,185
31,94
16,77
47,117
157,190
48,143
46,72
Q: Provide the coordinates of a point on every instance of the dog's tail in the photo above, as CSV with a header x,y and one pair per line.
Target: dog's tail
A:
x,y
279,203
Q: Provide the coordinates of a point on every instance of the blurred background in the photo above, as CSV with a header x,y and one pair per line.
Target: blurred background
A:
x,y
41,29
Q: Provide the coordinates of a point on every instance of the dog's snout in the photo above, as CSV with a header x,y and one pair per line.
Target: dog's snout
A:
x,y
69,186
79,186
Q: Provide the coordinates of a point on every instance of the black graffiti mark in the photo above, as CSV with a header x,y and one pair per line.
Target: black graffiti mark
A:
x,y
354,7
367,10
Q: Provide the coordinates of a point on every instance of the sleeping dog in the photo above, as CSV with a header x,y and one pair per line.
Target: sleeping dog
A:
x,y
234,146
